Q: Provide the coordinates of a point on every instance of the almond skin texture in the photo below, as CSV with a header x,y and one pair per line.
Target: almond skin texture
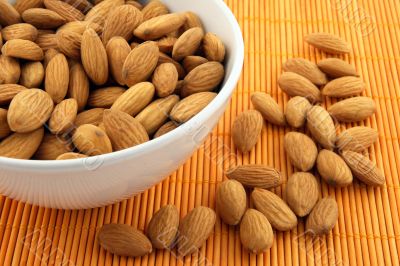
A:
x,y
69,43
205,77
4,128
140,63
92,116
8,92
307,69
123,130
333,169
68,12
159,26
268,108
321,126
231,201
117,51
8,13
48,55
21,145
328,43
194,229
187,44
246,130
353,109
43,18
57,78
10,70
255,175
32,74
22,31
80,27
94,57
295,85
63,116
213,47
301,150
163,58
22,5
278,213
302,192
296,111
29,110
164,129
51,147
184,110
192,21
164,79
363,168
99,13
47,41
154,9
344,87
163,227
123,240
256,232
356,139
78,85
70,156
104,97
193,61
22,49
91,140
336,68
323,217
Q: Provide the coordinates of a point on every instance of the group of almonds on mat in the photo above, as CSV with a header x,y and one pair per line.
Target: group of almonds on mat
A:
x,y
79,79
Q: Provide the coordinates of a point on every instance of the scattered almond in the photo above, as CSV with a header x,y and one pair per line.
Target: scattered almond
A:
x,y
307,69
336,68
301,150
353,109
255,175
268,108
328,43
321,126
21,145
323,217
296,111
231,201
356,139
333,169
246,130
163,227
295,85
344,87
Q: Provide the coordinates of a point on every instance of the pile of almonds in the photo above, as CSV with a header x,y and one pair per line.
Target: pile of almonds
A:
x,y
79,79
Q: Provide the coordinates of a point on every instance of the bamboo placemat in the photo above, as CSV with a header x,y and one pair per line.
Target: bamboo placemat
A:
x,y
368,229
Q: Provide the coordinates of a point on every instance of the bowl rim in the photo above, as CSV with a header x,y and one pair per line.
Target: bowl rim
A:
x,y
116,156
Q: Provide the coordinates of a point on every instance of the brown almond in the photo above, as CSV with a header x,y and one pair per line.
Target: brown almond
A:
x,y
321,126
32,74
47,41
296,111
192,21
187,44
165,77
353,109
117,50
22,31
336,68
295,85
4,128
21,145
301,150
328,43
164,129
246,130
48,55
231,201
10,70
163,227
70,156
81,5
154,9
22,5
344,87
323,217
166,44
190,106
8,13
356,139
99,13
333,169
51,147
159,26
78,85
92,116
8,92
192,61
104,97
63,116
43,18
65,10
213,47
91,140
268,108
69,43
80,27
307,69
22,49
57,78
255,175
163,58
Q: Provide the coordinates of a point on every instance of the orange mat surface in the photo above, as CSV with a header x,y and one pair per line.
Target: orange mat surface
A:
x,y
368,229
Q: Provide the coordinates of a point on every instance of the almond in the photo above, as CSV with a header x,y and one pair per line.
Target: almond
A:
x,y
268,108
333,169
302,192
194,229
21,145
255,175
124,130
57,78
123,240
22,31
192,61
99,12
63,116
307,69
231,201
163,58
165,77
296,111
154,115
80,27
363,168
205,77
336,68
164,129
187,44
22,49
256,232
117,51
104,97
328,43
10,70
32,74
274,208
91,140
47,41
29,110
323,217
4,128
190,106
22,5
213,47
92,116
154,9
295,85
8,92
8,13
166,44
344,87
140,63
134,3
51,147
43,18
321,126
68,12
48,55
78,85
353,109
94,57
301,150
163,227
356,139
159,26
246,130
71,155
81,5
69,43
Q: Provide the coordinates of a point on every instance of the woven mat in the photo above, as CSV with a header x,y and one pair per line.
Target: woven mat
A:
x,y
368,229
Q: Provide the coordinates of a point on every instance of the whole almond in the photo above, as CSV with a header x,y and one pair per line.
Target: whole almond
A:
x,y
163,227
4,128
213,47
190,106
22,31
231,201
22,49
336,68
356,139
65,10
323,217
193,61
123,130
69,43
94,57
10,70
29,110
154,9
47,41
91,140
164,129
363,168
117,50
296,111
255,175
344,87
187,44
321,126
140,63
8,92
80,27
81,5
166,44
353,109
22,5
8,13
194,229
328,43
307,69
51,147
256,232
246,130
165,77
71,155
57,78
301,150
333,169
92,116
78,85
32,74
63,116
21,145
104,97
159,26
43,18
274,208
48,55
98,14
123,240
268,108
295,85
302,191
163,58
205,77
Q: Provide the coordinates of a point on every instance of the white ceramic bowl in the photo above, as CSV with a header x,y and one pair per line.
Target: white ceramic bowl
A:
x,y
108,178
